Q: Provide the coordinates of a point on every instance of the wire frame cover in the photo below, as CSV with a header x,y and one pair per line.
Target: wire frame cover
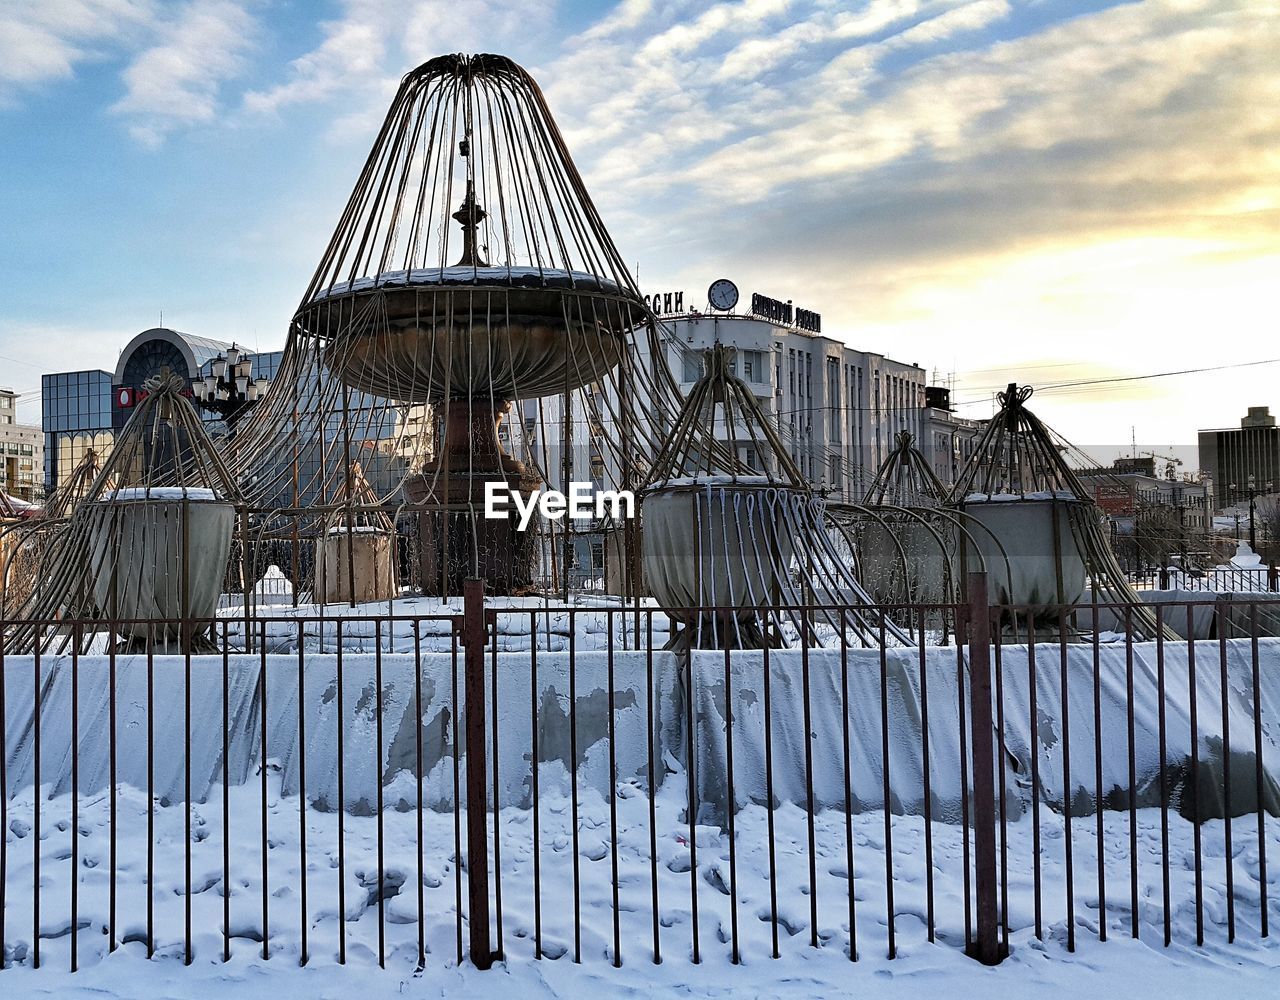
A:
x,y
742,556
1033,507
469,276
145,549
905,478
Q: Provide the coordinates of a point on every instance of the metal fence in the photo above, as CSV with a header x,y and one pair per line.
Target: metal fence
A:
x,y
550,782
1222,579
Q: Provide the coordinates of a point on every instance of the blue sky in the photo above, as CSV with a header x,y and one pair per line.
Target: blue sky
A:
x,y
1046,191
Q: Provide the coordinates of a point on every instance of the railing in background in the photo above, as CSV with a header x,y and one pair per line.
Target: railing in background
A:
x,y
1221,579
303,788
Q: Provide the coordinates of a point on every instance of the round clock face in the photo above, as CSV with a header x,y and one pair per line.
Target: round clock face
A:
x,y
723,294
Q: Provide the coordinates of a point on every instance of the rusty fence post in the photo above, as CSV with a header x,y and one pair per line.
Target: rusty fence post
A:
x,y
985,946
474,639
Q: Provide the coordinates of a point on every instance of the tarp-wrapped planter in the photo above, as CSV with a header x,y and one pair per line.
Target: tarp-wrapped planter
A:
x,y
143,549
356,550
716,549
157,561
1031,526
741,557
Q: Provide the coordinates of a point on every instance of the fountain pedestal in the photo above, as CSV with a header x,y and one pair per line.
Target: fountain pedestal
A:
x,y
455,539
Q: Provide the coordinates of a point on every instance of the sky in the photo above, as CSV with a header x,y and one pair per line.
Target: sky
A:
x,y
1038,191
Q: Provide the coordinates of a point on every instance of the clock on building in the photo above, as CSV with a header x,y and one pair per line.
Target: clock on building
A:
x,y
723,294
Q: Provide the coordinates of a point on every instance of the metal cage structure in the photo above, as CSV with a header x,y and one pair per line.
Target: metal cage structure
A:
x,y
1020,488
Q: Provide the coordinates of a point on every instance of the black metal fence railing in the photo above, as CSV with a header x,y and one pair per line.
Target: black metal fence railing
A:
x,y
1219,579
495,782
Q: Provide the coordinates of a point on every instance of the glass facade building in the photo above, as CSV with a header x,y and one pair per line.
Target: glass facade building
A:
x,y
76,416
84,410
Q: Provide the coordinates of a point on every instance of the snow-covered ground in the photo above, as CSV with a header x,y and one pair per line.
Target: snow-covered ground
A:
x,y
1121,966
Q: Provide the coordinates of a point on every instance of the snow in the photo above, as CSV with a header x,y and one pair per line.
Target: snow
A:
x,y
1245,557
716,479
160,493
1119,967
461,275
1009,497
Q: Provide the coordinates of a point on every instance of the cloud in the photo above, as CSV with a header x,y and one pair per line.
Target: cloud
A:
x,y
43,42
374,43
176,81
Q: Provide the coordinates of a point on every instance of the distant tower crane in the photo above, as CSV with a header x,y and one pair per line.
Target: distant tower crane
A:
x,y
1171,462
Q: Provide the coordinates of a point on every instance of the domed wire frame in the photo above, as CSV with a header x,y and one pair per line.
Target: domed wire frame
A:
x,y
1017,460
741,556
901,542
469,274
132,552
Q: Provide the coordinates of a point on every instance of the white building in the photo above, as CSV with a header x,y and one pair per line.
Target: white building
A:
x,y
837,409
947,440
21,452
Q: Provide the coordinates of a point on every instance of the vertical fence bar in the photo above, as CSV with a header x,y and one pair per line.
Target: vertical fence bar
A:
x,y
1032,698
1004,797
341,791
113,795
1258,774
653,819
75,803
1197,848
417,759
772,807
886,792
473,639
4,804
613,799
924,773
454,636
262,703
1228,853
1134,927
533,785
151,795
1067,790
848,807
35,833
573,789
302,802
985,947
1164,776
226,794
498,950
377,781
1097,777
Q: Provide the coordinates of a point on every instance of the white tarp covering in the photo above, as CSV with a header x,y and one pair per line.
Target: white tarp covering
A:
x,y
792,770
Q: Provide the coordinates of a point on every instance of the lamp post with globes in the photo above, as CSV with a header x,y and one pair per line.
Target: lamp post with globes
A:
x,y
230,389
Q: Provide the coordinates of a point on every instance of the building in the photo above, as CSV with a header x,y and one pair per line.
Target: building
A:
x,y
85,409
1154,520
21,452
947,440
836,408
1243,461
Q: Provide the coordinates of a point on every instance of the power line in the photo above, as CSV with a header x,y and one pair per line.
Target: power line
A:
x,y
1058,386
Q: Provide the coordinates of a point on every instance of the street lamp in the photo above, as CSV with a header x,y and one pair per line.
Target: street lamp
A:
x,y
230,390
1253,510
